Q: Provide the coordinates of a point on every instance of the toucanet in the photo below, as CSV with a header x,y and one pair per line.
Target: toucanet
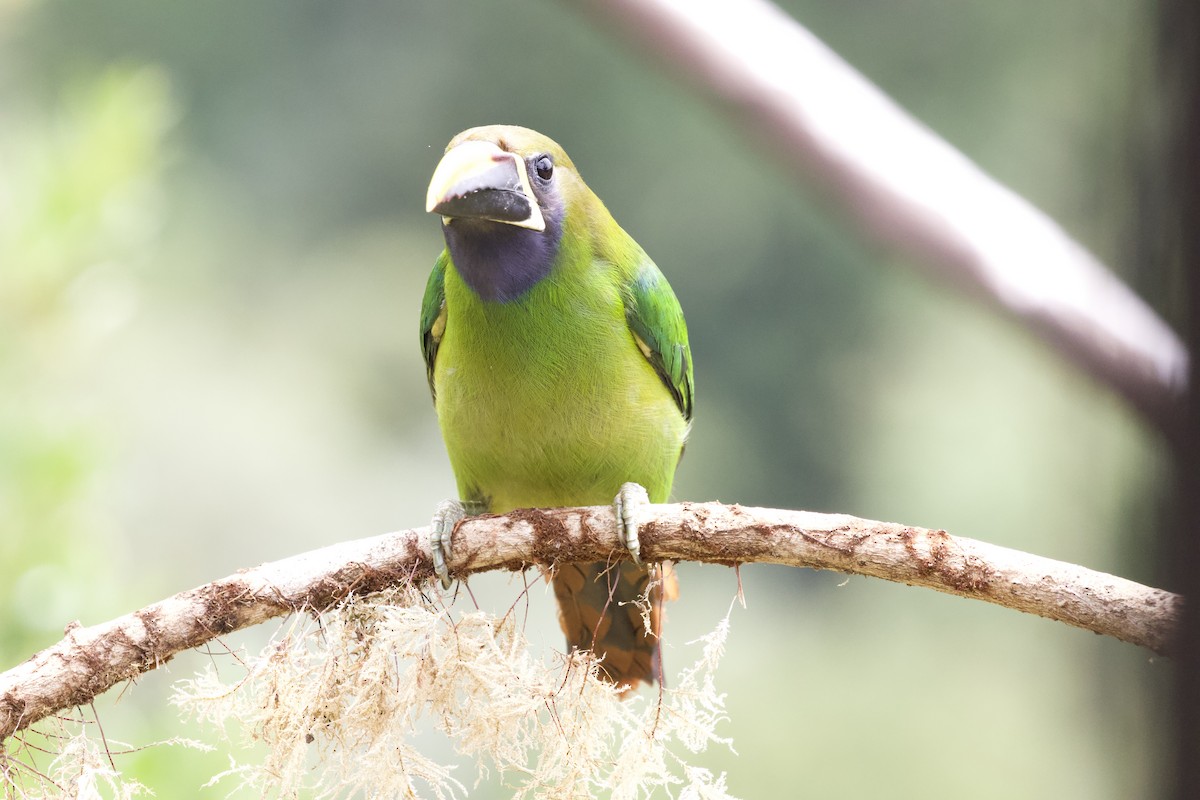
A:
x,y
558,360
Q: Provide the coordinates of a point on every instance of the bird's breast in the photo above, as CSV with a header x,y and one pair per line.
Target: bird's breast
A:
x,y
548,403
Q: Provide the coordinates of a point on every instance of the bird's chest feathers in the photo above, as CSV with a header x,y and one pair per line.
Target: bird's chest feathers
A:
x,y
540,398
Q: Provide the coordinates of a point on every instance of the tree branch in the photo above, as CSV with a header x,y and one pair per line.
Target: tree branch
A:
x,y
908,188
88,661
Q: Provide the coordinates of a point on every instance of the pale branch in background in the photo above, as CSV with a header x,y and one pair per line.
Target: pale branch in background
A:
x,y
908,188
90,660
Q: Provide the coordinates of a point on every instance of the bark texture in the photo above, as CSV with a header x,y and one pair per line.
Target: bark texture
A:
x,y
90,660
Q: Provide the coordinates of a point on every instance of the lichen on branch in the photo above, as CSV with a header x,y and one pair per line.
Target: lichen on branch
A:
x,y
356,691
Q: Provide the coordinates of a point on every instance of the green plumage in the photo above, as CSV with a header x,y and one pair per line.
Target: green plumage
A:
x,y
580,384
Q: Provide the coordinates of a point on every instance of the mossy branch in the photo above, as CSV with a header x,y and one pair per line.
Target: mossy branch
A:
x,y
90,660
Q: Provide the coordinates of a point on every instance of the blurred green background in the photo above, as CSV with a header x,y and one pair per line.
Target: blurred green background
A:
x,y
212,248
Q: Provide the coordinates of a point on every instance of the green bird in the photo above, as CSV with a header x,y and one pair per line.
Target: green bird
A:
x,y
558,360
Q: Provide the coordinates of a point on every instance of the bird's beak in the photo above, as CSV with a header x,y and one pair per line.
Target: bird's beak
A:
x,y
478,180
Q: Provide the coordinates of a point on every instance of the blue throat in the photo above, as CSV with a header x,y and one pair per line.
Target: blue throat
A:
x,y
501,262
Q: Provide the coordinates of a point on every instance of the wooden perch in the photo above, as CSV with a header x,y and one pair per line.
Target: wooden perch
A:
x,y
88,661
906,187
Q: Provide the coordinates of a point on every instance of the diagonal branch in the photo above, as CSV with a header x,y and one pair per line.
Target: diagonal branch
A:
x,y
88,661
909,189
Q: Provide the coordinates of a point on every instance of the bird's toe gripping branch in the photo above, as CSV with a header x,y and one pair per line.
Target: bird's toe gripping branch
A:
x,y
629,506
447,515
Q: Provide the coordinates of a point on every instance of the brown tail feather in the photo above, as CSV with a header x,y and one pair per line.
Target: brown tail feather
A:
x,y
600,600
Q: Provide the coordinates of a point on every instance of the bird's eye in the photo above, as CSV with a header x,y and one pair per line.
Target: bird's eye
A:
x,y
544,166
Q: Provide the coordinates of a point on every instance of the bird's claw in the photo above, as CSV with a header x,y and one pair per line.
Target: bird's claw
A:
x,y
629,505
447,515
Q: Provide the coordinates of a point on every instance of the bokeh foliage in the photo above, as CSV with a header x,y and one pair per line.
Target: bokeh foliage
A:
x,y
212,248
80,216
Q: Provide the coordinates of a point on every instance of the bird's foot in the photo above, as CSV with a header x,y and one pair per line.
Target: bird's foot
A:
x,y
629,506
446,517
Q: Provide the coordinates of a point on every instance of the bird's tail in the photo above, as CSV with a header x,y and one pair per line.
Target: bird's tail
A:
x,y
601,607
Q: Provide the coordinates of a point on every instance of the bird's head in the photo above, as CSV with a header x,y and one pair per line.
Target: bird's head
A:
x,y
503,193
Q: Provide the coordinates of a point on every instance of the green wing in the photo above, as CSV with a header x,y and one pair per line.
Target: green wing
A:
x,y
656,321
433,315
